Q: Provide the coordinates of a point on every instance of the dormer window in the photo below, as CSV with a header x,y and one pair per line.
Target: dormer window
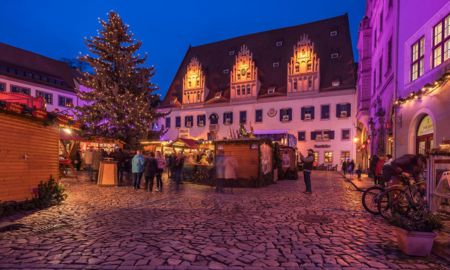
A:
x,y
335,83
276,64
218,95
279,43
226,71
333,33
231,53
271,90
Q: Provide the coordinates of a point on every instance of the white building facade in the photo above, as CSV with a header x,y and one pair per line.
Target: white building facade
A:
x,y
298,80
38,76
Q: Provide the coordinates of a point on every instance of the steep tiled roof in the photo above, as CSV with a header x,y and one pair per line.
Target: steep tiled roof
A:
x,y
215,58
29,66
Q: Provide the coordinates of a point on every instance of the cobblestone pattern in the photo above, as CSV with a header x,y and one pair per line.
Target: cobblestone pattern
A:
x,y
276,227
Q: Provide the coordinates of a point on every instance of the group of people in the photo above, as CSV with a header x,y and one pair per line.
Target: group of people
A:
x,y
149,167
348,167
387,169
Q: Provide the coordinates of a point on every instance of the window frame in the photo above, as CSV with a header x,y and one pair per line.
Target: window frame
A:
x,y
201,118
177,121
37,92
325,158
186,118
65,103
349,134
225,117
303,112
168,122
420,43
299,137
440,46
4,87
321,112
288,113
256,115
242,114
11,86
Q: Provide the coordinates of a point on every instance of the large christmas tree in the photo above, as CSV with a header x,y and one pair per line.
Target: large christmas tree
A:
x,y
122,101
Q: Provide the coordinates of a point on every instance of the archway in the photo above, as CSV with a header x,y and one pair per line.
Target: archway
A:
x,y
424,135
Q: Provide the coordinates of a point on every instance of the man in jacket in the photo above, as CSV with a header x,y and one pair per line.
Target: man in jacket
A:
x,y
150,170
137,168
307,168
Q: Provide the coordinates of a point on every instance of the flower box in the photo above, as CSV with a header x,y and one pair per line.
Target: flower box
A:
x,y
415,243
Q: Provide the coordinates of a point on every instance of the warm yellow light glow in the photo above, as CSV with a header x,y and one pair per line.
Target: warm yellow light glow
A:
x,y
67,130
355,139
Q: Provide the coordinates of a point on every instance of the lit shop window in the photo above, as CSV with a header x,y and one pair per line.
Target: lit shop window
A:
x,y
65,101
328,157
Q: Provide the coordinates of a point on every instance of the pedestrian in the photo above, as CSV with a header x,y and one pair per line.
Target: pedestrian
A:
x,y
344,167
351,168
359,172
171,165
161,163
178,169
120,158
88,159
372,165
379,179
220,170
150,170
307,168
137,168
77,160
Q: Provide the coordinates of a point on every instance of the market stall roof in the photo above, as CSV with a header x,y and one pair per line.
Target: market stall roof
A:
x,y
184,142
68,134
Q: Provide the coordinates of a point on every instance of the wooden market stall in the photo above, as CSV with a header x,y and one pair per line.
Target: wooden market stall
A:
x,y
28,151
254,158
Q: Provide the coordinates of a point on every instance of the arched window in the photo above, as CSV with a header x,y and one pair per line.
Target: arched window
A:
x,y
424,135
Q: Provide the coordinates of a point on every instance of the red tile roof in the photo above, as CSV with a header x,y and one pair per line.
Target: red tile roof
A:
x,y
215,58
33,67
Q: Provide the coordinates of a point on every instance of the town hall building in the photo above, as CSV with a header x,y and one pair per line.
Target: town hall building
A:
x,y
297,83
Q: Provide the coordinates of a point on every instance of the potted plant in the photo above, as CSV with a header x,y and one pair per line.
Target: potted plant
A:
x,y
414,231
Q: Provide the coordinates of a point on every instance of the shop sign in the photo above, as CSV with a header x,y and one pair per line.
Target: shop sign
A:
x,y
425,127
183,133
322,146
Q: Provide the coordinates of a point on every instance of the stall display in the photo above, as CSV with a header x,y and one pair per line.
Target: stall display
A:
x,y
254,158
107,174
438,178
287,162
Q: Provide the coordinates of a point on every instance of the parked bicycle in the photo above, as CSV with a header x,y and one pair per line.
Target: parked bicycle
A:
x,y
370,197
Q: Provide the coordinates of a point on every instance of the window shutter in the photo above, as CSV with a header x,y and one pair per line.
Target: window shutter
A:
x,y
338,110
349,109
331,134
312,113
231,117
290,114
281,115
302,113
313,135
224,118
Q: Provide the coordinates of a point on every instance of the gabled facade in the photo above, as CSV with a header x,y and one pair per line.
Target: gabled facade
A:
x,y
297,82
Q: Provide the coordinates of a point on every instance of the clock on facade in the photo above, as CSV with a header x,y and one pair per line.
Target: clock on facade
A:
x,y
271,112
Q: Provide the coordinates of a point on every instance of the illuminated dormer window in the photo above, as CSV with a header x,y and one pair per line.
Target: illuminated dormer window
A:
x,y
303,67
244,75
194,90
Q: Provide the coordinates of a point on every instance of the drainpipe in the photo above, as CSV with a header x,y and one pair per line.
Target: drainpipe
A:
x,y
397,49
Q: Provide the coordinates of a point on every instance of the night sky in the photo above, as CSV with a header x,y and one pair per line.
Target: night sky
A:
x,y
56,28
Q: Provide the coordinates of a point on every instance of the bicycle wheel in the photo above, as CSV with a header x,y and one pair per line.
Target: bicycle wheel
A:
x,y
370,199
392,201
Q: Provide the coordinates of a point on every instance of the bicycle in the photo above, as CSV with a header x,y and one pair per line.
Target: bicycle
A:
x,y
401,199
370,198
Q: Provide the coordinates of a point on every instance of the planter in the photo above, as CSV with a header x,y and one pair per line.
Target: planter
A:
x,y
415,243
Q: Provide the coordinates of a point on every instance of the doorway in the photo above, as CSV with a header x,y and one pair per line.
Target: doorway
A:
x,y
424,136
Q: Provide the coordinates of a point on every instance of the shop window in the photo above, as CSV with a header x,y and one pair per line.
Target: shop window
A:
x,y
417,58
65,101
345,155
228,118
214,119
301,136
178,121
242,117
328,157
20,89
285,115
259,116
307,113
188,121
167,122
48,97
325,112
343,110
345,135
201,120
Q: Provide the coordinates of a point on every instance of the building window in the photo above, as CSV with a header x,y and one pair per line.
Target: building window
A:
x,y
2,87
65,101
228,118
48,97
231,53
188,121
389,55
201,120
213,119
259,116
345,135
19,89
275,64
301,136
178,121
248,89
168,122
279,43
242,117
417,58
325,112
307,113
285,115
328,157
441,41
345,155
343,110
333,33
226,71
334,55
322,135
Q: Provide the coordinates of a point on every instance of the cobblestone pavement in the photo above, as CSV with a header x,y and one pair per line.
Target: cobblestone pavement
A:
x,y
276,227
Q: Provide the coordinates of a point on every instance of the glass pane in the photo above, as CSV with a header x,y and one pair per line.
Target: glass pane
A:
x,y
437,56
447,50
421,67
437,34
415,52
422,46
414,72
447,26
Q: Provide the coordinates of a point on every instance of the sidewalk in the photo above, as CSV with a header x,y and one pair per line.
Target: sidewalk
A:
x,y
441,245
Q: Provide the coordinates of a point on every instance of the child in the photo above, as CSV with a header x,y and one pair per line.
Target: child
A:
x,y
359,172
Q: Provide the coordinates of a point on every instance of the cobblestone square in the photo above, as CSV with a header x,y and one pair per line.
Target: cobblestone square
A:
x,y
275,227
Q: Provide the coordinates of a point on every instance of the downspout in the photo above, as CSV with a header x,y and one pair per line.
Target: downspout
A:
x,y
397,45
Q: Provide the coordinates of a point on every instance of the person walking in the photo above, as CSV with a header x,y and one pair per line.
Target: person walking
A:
x,y
137,168
161,165
88,159
220,170
307,168
351,168
77,160
359,172
178,169
344,167
120,158
150,170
